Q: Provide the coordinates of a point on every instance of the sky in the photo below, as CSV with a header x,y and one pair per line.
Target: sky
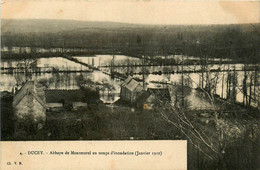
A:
x,y
135,11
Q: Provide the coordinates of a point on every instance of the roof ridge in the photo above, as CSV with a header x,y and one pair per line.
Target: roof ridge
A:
x,y
16,102
20,97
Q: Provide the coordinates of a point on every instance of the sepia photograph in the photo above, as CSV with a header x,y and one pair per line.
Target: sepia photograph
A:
x,y
146,70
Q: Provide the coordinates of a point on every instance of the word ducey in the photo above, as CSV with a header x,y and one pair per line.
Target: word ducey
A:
x,y
105,153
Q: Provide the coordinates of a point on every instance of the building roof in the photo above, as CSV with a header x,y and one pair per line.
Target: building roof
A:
x,y
129,78
29,88
57,96
132,85
50,105
78,104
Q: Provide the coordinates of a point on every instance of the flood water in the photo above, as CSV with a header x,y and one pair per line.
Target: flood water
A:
x,y
68,80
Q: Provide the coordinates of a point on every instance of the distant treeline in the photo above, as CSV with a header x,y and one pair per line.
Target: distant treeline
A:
x,y
239,42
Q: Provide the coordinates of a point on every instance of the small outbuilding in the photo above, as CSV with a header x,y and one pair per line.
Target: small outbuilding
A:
x,y
130,90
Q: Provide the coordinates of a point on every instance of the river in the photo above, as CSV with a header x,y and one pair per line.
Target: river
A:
x,y
68,80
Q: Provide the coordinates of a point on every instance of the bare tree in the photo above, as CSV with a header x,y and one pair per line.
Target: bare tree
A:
x,y
177,117
29,65
245,101
212,143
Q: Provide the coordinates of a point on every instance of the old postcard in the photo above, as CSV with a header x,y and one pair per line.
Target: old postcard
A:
x,y
146,84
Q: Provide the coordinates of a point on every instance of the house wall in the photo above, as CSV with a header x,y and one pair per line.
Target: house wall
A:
x,y
136,93
130,96
123,93
30,106
39,111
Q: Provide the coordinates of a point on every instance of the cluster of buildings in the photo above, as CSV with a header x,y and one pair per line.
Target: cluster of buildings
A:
x,y
133,93
33,99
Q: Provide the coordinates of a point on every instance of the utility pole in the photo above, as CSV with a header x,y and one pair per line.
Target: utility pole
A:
x,y
127,67
234,83
143,71
182,90
202,65
228,83
222,89
139,41
112,66
63,47
113,60
182,76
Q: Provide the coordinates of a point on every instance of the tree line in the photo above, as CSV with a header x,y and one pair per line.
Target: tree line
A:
x,y
238,42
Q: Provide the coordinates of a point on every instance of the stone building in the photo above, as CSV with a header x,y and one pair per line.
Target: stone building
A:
x,y
30,101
